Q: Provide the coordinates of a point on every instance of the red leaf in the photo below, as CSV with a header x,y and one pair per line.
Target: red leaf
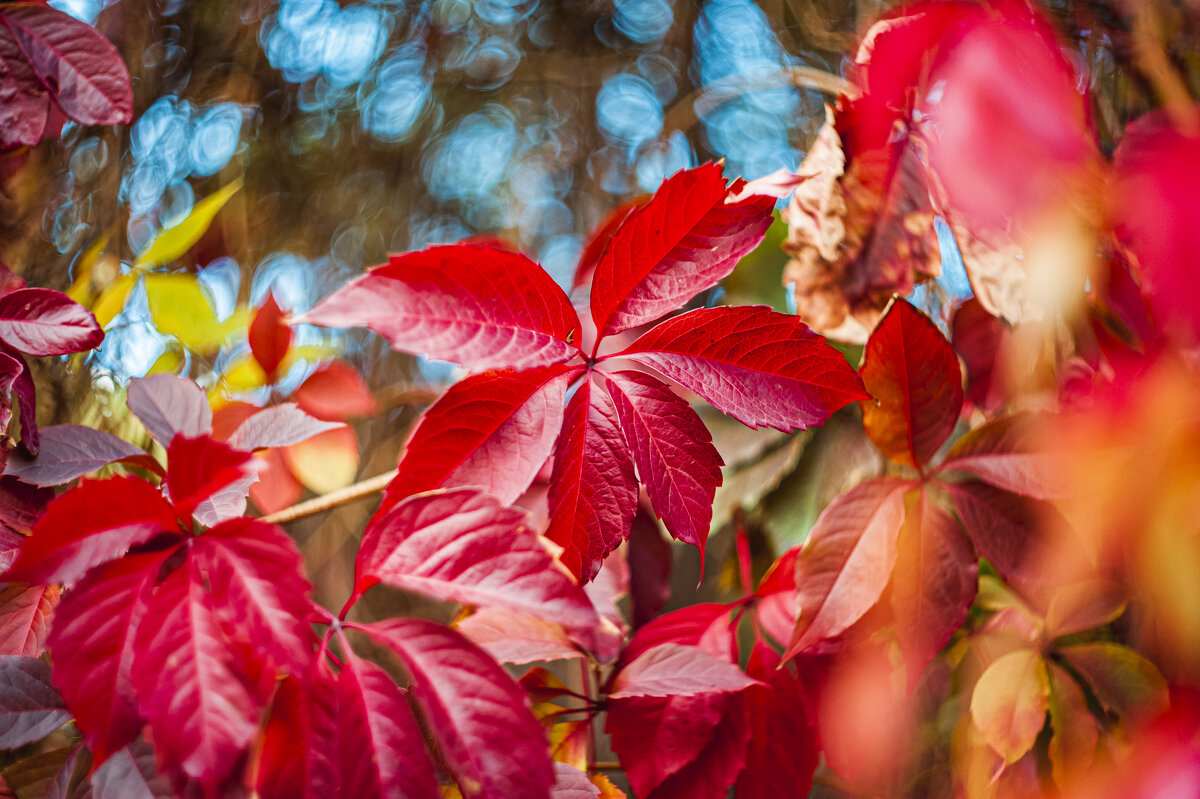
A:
x,y
30,708
24,112
599,240
1004,526
277,426
933,583
1157,168
25,613
168,405
26,394
93,644
673,450
68,451
255,574
80,69
492,431
462,546
705,625
978,337
714,769
189,685
293,754
21,506
89,525
11,368
375,744
675,670
759,366
474,304
776,604
479,716
334,392
46,322
197,468
593,490
846,564
783,750
912,372
276,488
650,559
1010,453
681,242
512,637
270,336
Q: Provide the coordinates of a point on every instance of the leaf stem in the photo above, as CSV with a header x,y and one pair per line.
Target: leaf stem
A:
x,y
331,500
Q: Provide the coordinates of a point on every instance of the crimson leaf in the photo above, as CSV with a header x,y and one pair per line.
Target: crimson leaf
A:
x,y
479,716
80,68
25,612
759,366
270,336
197,468
462,546
673,450
681,242
492,431
91,524
705,625
783,750
26,105
46,322
1010,453
593,490
30,708
68,451
474,304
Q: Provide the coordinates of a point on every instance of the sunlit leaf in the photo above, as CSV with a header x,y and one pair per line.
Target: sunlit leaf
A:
x,y
180,306
175,241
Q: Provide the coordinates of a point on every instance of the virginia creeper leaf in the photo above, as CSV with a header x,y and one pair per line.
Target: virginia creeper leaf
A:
x,y
46,322
912,372
189,685
759,366
80,69
1010,453
93,641
255,574
89,525
848,560
1073,744
571,783
681,242
776,594
25,613
933,582
334,392
26,393
1084,606
170,245
30,708
270,336
478,305
656,736
673,450
68,451
512,637
593,490
479,716
130,774
677,670
462,546
1010,701
1003,525
650,559
714,769
277,426
197,468
783,751
168,405
492,431
1124,681
21,506
598,242
377,748
52,774
26,104
705,625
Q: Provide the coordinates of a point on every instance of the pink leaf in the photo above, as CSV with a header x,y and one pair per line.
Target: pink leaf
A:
x,y
68,451
25,613
675,670
846,564
683,241
1011,453
512,637
492,431
462,546
44,321
93,644
81,69
30,708
933,584
593,490
169,405
706,625
197,468
759,366
189,685
571,783
673,450
277,426
479,716
89,525
255,574
335,392
474,304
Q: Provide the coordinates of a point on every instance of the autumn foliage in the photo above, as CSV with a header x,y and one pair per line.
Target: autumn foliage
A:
x,y
1003,604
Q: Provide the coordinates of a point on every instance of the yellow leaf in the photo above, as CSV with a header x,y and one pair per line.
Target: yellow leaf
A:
x,y
81,290
1009,703
170,362
607,789
173,242
181,307
244,374
112,300
326,462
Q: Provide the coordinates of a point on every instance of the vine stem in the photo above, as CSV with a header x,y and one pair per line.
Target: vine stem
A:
x,y
331,500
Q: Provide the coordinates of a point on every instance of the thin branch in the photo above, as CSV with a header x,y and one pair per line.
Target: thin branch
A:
x,y
331,500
